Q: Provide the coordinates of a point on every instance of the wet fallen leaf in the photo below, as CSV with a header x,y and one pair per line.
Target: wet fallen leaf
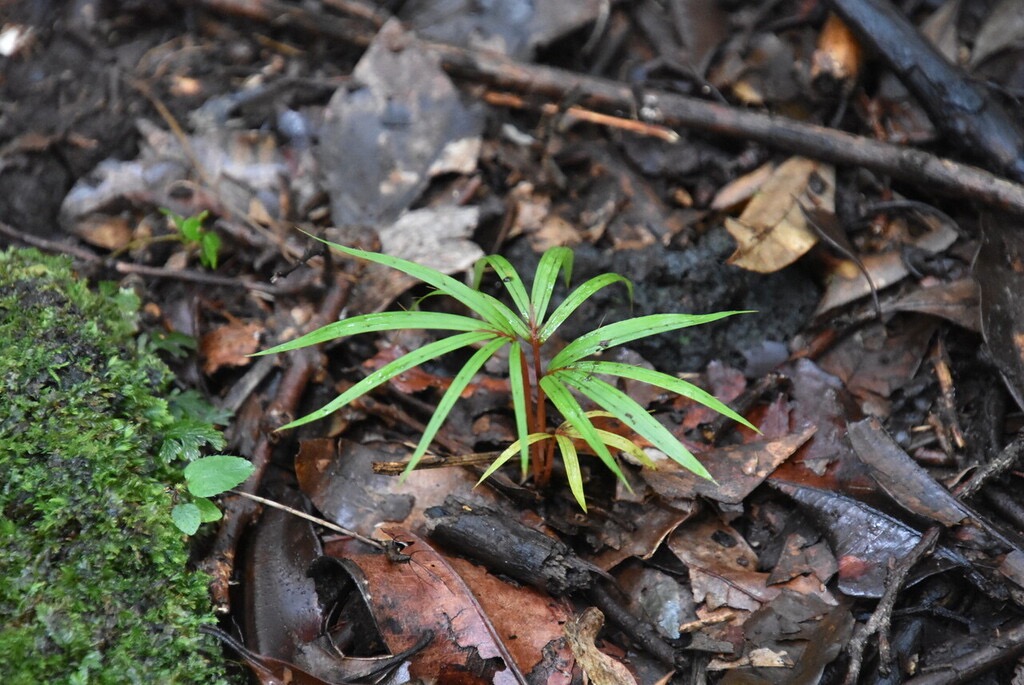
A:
x,y
722,566
338,477
646,527
877,360
907,483
911,487
280,612
866,541
800,556
736,469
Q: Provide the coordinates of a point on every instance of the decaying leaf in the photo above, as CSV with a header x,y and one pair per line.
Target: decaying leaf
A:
x,y
736,469
421,591
772,231
847,283
865,540
384,134
438,237
599,667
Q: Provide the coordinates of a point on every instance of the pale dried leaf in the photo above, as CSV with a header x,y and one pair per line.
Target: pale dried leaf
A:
x,y
598,666
772,231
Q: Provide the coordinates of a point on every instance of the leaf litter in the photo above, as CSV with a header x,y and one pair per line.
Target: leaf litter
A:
x,y
391,149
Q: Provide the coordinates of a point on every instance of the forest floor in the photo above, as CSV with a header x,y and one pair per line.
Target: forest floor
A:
x,y
838,178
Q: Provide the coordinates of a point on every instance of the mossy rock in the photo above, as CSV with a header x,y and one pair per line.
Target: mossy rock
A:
x,y
94,578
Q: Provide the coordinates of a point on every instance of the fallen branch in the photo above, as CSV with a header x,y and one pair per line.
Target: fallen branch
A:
x,y
672,110
969,117
668,109
617,99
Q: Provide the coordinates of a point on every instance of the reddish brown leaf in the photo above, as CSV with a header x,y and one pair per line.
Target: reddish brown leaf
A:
x,y
228,345
427,593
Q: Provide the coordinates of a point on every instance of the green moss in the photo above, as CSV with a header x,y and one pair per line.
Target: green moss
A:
x,y
94,584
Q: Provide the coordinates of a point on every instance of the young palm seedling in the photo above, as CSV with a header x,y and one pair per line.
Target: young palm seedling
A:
x,y
534,379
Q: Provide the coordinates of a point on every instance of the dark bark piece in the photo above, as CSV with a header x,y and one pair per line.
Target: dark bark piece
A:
x,y
1005,646
974,121
512,549
509,548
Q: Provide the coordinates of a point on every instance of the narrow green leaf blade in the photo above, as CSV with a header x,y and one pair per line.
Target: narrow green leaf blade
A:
x,y
575,416
624,444
510,278
389,371
621,332
578,297
510,452
661,380
491,309
553,261
627,410
382,321
450,397
516,380
572,468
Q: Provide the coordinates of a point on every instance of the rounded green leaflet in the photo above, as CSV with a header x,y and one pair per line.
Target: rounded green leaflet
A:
x,y
210,476
186,517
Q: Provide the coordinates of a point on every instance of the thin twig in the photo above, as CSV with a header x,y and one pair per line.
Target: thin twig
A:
x,y
185,275
580,114
309,517
880,618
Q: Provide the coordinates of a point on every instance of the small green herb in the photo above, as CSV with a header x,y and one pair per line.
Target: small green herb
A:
x,y
194,235
525,328
206,477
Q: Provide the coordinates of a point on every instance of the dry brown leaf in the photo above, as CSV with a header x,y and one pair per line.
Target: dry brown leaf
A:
x,y
838,55
229,345
847,282
772,231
